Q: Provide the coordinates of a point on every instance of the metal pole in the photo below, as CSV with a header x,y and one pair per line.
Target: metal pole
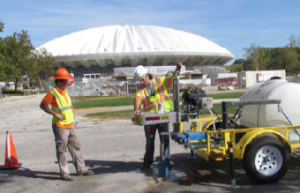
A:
x,y
224,115
176,100
233,183
163,165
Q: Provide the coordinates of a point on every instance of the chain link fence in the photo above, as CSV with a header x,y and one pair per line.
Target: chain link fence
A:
x,y
98,87
102,88
107,87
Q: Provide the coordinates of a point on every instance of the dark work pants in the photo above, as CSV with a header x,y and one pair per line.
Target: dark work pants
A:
x,y
163,130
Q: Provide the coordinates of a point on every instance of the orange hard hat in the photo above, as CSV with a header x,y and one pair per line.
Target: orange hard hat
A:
x,y
62,73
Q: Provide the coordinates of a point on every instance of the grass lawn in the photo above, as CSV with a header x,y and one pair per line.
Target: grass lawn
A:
x,y
124,113
91,102
22,92
102,102
226,95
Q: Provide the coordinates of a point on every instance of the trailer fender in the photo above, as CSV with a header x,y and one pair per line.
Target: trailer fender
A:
x,y
208,124
240,148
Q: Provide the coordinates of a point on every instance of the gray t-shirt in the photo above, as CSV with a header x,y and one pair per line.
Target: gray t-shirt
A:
x,y
150,89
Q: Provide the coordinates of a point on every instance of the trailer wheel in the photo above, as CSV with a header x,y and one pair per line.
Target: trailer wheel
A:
x,y
266,160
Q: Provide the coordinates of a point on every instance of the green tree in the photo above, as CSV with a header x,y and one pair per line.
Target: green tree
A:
x,y
240,61
234,68
1,26
291,55
45,63
18,55
294,42
237,68
2,59
6,70
238,65
30,67
256,58
290,60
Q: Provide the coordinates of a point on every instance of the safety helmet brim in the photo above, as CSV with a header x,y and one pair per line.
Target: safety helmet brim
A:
x,y
140,72
63,77
60,78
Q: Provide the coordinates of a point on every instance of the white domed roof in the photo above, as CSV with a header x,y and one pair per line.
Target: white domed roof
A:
x,y
132,45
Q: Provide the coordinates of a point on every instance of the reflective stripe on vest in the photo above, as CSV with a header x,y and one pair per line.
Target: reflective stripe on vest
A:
x,y
156,102
169,83
144,94
64,108
159,87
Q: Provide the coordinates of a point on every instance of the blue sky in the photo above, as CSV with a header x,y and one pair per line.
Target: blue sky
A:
x,y
233,24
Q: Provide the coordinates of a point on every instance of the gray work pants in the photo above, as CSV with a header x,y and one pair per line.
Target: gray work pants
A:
x,y
67,138
163,130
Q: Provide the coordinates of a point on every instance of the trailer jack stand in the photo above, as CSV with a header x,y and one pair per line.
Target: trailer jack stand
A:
x,y
192,156
233,183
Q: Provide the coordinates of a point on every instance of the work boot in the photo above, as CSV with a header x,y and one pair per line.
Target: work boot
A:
x,y
145,167
67,177
86,173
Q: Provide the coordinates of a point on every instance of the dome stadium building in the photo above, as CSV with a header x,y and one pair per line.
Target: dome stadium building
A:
x,y
102,49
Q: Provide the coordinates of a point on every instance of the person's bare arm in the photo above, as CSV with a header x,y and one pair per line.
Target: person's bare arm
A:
x,y
137,104
48,110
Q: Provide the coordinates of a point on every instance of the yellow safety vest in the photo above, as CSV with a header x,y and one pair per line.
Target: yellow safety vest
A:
x,y
64,108
161,86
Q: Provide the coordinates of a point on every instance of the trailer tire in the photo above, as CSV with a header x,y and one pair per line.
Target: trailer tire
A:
x,y
266,160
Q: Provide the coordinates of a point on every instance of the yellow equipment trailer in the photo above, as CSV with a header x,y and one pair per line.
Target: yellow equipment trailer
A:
x,y
264,151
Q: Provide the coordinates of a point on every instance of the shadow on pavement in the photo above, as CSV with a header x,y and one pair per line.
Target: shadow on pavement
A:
x,y
184,172
106,166
26,172
97,166
217,174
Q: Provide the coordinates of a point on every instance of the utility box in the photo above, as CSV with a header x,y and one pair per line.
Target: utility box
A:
x,y
248,78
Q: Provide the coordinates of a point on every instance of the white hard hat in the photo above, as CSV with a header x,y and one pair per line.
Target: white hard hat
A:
x,y
140,72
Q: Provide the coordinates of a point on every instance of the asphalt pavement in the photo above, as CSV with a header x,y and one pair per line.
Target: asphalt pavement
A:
x,y
113,149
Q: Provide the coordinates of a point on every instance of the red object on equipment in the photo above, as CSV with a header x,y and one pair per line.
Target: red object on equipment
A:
x,y
152,118
70,81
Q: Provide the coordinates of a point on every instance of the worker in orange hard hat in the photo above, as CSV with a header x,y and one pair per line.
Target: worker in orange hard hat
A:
x,y
63,126
61,74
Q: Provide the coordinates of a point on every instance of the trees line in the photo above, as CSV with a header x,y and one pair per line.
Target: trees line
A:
x,y
260,58
19,57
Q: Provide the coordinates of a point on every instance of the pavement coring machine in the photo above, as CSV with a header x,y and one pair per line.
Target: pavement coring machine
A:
x,y
263,143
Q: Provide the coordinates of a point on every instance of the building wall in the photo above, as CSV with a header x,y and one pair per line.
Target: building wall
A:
x,y
216,76
249,78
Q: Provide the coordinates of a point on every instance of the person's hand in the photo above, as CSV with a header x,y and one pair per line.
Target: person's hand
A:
x,y
60,117
136,112
179,66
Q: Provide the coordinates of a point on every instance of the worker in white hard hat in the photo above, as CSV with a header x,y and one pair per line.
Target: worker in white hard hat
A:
x,y
153,94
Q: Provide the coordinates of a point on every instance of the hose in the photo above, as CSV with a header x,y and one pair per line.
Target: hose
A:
x,y
216,114
212,116
281,110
